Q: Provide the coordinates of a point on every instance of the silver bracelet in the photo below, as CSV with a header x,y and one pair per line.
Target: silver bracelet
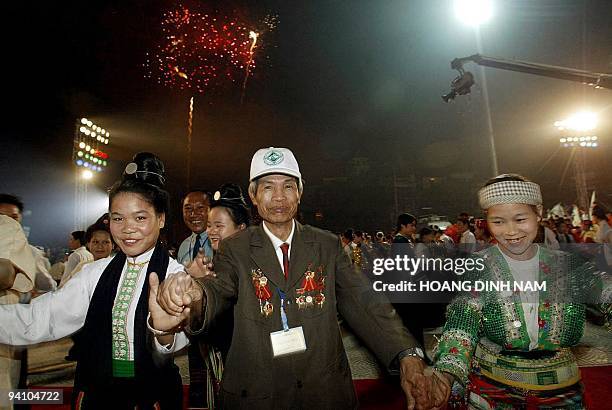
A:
x,y
156,332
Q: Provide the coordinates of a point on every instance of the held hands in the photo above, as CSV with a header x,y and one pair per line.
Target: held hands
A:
x,y
169,302
424,388
177,292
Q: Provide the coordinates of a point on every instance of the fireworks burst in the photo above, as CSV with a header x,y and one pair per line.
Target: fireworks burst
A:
x,y
202,51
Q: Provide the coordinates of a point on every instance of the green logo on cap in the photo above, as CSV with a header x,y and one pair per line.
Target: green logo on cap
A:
x,y
273,157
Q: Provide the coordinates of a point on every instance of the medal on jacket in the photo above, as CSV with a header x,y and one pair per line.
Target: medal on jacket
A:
x,y
311,292
262,291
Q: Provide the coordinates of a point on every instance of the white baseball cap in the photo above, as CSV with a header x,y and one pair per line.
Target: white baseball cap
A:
x,y
14,247
272,160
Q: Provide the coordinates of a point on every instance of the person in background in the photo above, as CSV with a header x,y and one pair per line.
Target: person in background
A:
x,y
482,234
564,235
100,244
467,240
196,205
228,215
17,275
550,238
604,232
80,254
12,206
426,239
405,229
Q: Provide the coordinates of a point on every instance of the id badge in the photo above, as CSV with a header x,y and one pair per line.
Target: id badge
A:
x,y
286,342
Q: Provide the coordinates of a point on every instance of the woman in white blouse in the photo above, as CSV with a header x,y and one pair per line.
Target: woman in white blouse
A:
x,y
108,300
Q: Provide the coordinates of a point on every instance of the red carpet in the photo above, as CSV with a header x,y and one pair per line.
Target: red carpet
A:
x,y
386,393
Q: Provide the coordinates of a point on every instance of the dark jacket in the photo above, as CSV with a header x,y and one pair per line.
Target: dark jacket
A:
x,y
320,377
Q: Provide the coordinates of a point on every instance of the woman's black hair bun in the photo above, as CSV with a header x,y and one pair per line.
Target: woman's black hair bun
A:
x,y
230,196
146,167
231,193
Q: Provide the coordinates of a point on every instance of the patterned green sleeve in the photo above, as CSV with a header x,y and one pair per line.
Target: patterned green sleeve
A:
x,y
458,342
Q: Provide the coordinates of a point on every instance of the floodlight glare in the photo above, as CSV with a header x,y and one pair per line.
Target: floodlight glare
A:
x,y
581,121
87,174
473,12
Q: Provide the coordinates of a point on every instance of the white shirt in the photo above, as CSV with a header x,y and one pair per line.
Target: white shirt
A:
x,y
550,239
468,240
277,242
61,313
528,271
79,255
185,251
43,282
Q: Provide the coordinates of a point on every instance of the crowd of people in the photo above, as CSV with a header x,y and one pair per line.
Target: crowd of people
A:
x,y
257,305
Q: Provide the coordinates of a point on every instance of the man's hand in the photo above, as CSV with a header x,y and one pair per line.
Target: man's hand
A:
x,y
177,292
201,267
442,384
423,387
160,319
414,382
7,274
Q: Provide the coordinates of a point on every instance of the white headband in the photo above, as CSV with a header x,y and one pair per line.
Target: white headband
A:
x,y
510,192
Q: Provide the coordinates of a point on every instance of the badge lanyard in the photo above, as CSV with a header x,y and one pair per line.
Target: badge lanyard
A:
x,y
281,295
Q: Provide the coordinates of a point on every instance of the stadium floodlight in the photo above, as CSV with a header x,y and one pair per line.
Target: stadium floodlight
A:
x,y
473,12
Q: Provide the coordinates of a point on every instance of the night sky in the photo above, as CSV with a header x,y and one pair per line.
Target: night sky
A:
x,y
352,87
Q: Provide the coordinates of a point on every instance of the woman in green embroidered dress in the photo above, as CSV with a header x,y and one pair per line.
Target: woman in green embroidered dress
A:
x,y
511,349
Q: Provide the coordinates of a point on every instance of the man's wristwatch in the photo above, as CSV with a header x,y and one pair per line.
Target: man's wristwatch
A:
x,y
412,352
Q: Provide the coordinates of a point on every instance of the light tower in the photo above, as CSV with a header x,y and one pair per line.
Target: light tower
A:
x,y
89,155
578,135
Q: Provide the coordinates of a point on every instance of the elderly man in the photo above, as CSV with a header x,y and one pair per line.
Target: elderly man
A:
x,y
287,282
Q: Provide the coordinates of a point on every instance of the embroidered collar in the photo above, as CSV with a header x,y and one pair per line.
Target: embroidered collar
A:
x,y
141,259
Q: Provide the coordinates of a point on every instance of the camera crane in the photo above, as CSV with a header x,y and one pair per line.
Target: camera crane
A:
x,y
462,84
